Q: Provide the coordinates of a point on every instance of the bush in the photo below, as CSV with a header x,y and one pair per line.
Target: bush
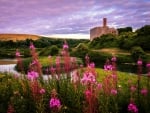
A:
x,y
52,50
99,58
80,51
104,41
137,52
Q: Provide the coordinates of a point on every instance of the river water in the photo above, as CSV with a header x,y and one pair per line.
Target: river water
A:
x,y
8,65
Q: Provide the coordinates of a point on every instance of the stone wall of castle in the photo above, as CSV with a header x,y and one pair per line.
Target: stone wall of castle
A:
x,y
99,31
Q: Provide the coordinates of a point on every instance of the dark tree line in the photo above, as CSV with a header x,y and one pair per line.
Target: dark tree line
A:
x,y
40,43
125,40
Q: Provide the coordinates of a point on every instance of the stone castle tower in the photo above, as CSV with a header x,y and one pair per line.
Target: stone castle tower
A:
x,y
99,31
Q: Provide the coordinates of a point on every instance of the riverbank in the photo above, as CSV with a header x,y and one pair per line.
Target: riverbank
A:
x,y
7,61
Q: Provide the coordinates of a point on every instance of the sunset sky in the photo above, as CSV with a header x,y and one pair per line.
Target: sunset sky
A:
x,y
70,18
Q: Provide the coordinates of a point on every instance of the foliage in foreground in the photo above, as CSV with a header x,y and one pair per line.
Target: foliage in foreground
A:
x,y
23,95
83,90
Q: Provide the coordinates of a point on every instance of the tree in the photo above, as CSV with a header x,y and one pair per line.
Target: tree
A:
x,y
137,52
126,29
143,37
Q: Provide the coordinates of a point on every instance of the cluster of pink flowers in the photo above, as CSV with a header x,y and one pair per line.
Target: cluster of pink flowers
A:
x,y
42,91
88,77
32,75
113,91
132,108
144,92
133,88
139,62
148,65
108,67
88,94
92,65
99,86
113,59
65,46
17,53
34,62
54,103
31,46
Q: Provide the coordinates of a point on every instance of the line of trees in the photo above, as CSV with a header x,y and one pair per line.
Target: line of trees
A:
x,y
125,40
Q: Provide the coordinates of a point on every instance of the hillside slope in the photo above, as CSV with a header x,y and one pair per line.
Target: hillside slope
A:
x,y
15,37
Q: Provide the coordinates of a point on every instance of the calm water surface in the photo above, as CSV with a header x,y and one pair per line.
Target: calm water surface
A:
x,y
8,65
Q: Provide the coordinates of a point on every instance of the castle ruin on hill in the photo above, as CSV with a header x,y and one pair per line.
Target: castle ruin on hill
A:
x,y
99,31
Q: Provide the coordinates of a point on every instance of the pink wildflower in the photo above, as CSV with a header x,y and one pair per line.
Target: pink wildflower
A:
x,y
17,53
148,65
133,88
42,91
34,62
65,46
113,59
113,91
32,75
139,62
132,108
31,46
88,78
88,94
108,67
49,56
54,103
53,70
99,86
144,92
92,65
81,66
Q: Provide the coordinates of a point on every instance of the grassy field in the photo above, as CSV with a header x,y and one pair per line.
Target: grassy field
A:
x,y
114,51
19,93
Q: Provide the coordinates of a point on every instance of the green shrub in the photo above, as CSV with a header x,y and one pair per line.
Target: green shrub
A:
x,y
99,58
104,41
52,50
80,51
137,52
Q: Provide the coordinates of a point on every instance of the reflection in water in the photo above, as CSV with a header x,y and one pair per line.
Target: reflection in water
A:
x,y
8,68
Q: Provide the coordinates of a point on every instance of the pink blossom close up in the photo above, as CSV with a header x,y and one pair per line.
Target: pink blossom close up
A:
x,y
132,108
88,78
114,59
32,46
17,53
144,92
113,91
32,75
133,88
42,91
139,62
54,103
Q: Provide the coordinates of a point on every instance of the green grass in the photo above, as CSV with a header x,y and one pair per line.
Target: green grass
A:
x,y
70,98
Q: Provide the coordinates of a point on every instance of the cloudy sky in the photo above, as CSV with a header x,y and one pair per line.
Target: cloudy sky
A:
x,y
70,17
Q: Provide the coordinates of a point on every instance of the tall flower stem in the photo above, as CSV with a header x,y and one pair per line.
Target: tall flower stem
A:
x,y
139,64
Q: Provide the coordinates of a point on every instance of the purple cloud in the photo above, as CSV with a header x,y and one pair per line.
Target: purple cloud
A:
x,y
46,17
